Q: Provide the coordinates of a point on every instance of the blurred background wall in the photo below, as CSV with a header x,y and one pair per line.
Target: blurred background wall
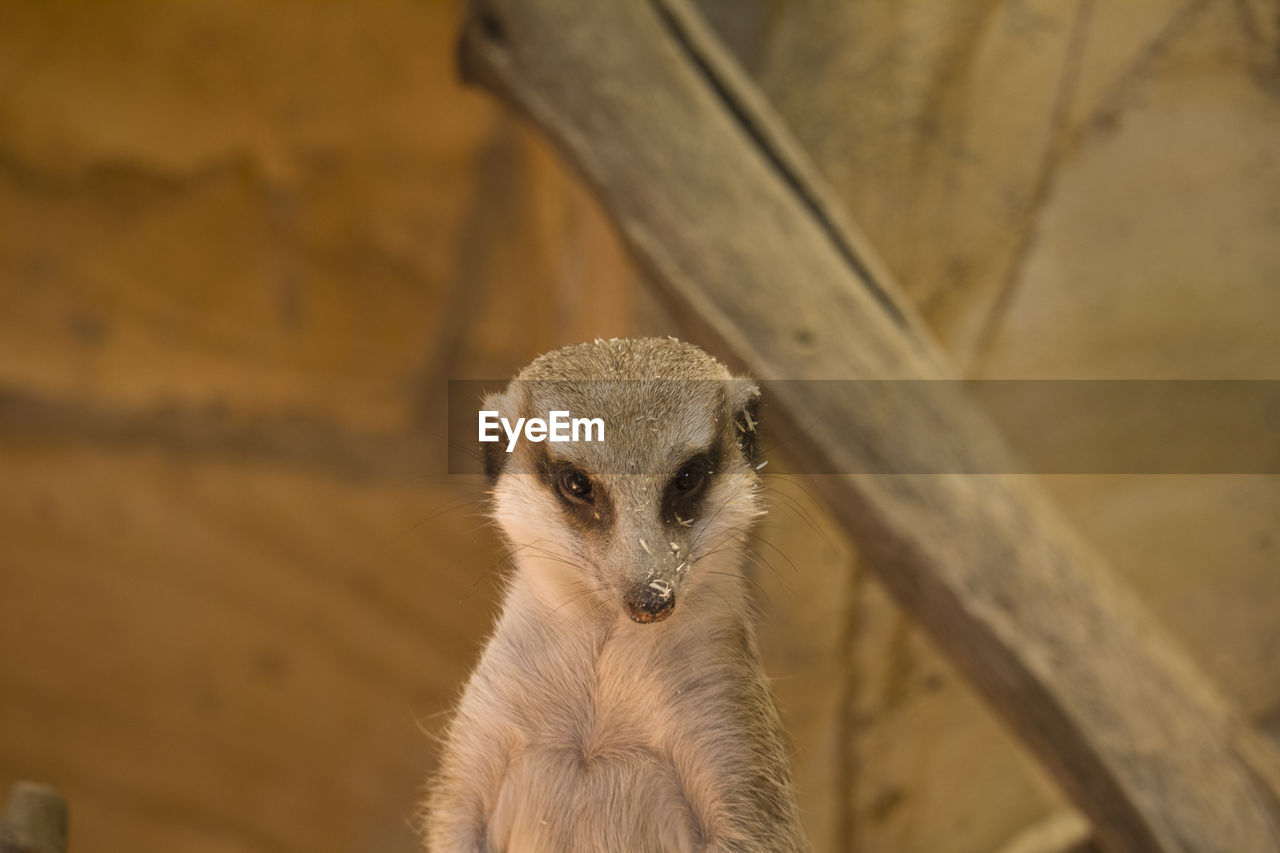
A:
x,y
244,245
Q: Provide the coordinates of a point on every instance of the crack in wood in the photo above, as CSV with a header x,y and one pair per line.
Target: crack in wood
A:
x,y
696,48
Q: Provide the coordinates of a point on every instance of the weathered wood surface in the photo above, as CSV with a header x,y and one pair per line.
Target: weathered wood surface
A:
x,y
719,205
34,820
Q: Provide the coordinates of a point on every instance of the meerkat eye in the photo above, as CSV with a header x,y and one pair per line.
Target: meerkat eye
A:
x,y
691,476
574,485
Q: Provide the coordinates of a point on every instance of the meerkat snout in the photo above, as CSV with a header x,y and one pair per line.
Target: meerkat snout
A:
x,y
650,602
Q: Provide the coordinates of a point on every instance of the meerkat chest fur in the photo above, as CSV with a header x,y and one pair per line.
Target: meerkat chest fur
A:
x,y
620,704
581,677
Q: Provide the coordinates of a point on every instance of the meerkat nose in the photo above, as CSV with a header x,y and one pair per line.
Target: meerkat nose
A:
x,y
650,602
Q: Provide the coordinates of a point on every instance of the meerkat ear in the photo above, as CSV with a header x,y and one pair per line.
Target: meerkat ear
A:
x,y
744,397
493,457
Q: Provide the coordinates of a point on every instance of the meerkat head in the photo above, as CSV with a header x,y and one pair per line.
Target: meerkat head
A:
x,y
651,511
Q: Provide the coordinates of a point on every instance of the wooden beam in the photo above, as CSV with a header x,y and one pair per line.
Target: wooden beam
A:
x,y
738,232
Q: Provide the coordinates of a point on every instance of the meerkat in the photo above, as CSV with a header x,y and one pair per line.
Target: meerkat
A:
x,y
620,705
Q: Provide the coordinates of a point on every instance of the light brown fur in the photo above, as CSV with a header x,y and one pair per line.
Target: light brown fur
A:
x,y
581,731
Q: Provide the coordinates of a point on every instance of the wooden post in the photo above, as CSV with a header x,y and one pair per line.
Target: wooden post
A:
x,y
739,234
34,820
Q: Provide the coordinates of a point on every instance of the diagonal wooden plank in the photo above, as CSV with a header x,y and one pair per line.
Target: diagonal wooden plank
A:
x,y
719,204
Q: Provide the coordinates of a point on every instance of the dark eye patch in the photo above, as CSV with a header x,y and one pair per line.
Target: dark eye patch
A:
x,y
685,491
581,497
